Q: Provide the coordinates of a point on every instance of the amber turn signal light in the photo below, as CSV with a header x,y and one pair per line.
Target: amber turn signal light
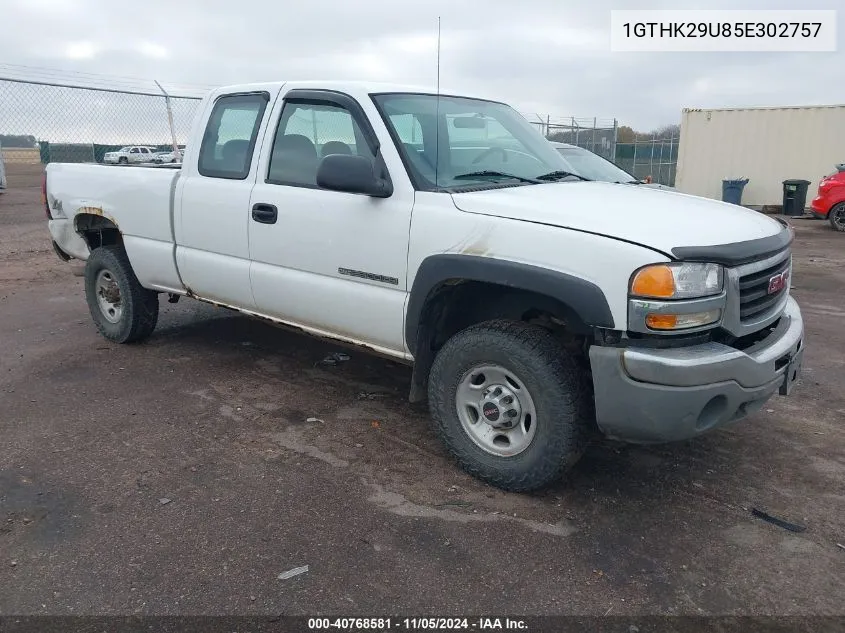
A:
x,y
654,281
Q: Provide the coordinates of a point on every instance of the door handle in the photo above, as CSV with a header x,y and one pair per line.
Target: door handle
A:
x,y
265,213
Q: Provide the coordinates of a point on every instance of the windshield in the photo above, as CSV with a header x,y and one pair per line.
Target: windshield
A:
x,y
481,143
124,149
593,166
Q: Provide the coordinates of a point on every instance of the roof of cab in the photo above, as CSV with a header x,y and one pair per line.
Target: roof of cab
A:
x,y
350,87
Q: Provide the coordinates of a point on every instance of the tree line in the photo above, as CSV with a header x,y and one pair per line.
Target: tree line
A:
x,y
18,140
626,134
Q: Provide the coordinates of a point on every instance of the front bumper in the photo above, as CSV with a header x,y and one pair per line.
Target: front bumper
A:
x,y
648,395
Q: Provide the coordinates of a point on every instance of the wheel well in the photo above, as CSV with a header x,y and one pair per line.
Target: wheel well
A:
x,y
97,230
455,305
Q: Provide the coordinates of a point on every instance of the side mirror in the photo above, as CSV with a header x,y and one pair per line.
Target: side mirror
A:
x,y
352,174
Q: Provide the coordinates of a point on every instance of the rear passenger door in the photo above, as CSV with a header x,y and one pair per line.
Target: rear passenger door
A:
x,y
331,261
211,227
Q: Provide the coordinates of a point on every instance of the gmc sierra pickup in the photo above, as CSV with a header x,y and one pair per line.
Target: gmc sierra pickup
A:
x,y
443,230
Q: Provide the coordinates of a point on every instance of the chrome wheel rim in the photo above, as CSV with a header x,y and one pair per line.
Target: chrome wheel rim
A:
x,y
496,410
108,296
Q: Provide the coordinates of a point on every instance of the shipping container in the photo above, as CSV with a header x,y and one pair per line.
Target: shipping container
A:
x,y
765,145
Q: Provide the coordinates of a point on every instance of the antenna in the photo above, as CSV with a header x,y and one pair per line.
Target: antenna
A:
x,y
437,111
438,55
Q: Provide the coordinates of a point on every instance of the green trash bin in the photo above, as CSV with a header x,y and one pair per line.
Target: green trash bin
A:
x,y
795,196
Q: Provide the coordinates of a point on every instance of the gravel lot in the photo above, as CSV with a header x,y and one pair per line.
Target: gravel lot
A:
x,y
182,475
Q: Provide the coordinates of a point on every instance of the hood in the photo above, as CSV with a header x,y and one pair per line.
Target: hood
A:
x,y
659,219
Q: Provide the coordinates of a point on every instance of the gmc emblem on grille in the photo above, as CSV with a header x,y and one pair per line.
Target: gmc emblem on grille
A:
x,y
778,282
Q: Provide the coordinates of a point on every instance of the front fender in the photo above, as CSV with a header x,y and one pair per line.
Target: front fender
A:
x,y
586,300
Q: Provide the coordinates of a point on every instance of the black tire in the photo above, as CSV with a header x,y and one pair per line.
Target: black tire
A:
x,y
139,306
559,388
122,160
836,217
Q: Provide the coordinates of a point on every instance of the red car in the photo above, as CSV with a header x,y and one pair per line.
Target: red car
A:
x,y
830,201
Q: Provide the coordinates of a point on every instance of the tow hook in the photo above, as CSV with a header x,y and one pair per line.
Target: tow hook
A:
x,y
172,298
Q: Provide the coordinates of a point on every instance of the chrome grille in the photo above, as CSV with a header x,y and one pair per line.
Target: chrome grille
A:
x,y
754,297
749,307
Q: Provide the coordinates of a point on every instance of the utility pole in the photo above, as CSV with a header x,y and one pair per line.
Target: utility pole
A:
x,y
176,151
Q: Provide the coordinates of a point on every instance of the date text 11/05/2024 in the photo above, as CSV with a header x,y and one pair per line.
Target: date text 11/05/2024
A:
x,y
417,624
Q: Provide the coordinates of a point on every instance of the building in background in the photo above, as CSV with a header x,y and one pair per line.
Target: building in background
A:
x,y
765,145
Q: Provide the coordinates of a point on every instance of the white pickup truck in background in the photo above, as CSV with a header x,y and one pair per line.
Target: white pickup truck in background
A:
x,y
130,154
445,231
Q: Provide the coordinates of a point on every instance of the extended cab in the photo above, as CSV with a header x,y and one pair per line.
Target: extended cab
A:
x,y
445,231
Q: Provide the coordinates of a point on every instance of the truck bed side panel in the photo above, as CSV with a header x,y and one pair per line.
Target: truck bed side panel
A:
x,y
137,199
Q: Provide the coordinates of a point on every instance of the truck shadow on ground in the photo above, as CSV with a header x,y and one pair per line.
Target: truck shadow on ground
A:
x,y
367,424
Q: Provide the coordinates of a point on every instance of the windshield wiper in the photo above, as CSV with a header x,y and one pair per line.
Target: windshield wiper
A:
x,y
493,174
558,174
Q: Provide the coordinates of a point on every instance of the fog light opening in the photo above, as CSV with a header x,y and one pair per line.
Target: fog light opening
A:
x,y
712,412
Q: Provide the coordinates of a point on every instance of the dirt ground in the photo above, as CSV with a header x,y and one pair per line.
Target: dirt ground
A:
x,y
182,475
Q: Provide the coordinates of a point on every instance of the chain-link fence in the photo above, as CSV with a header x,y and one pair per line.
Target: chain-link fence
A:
x,y
655,158
42,122
48,122
2,171
651,157
594,134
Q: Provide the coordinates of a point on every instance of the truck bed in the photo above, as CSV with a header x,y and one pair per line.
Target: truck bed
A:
x,y
138,200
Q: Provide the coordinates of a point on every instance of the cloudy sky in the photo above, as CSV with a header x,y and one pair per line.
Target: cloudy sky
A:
x,y
545,56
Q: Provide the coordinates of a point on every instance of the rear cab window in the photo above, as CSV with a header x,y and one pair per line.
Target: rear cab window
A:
x,y
228,143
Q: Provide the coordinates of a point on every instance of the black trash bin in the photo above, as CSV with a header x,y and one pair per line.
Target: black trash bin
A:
x,y
795,196
732,190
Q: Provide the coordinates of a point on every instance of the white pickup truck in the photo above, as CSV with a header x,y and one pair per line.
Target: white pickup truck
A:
x,y
130,154
535,306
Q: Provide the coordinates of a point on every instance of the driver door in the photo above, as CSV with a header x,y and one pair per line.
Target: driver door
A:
x,y
330,261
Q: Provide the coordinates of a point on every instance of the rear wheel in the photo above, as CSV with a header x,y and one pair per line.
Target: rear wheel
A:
x,y
510,404
122,309
837,217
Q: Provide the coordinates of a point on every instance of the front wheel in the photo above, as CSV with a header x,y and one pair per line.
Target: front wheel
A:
x,y
510,404
122,160
123,310
837,217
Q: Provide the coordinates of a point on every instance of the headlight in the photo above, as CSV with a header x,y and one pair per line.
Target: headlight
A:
x,y
675,297
678,281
